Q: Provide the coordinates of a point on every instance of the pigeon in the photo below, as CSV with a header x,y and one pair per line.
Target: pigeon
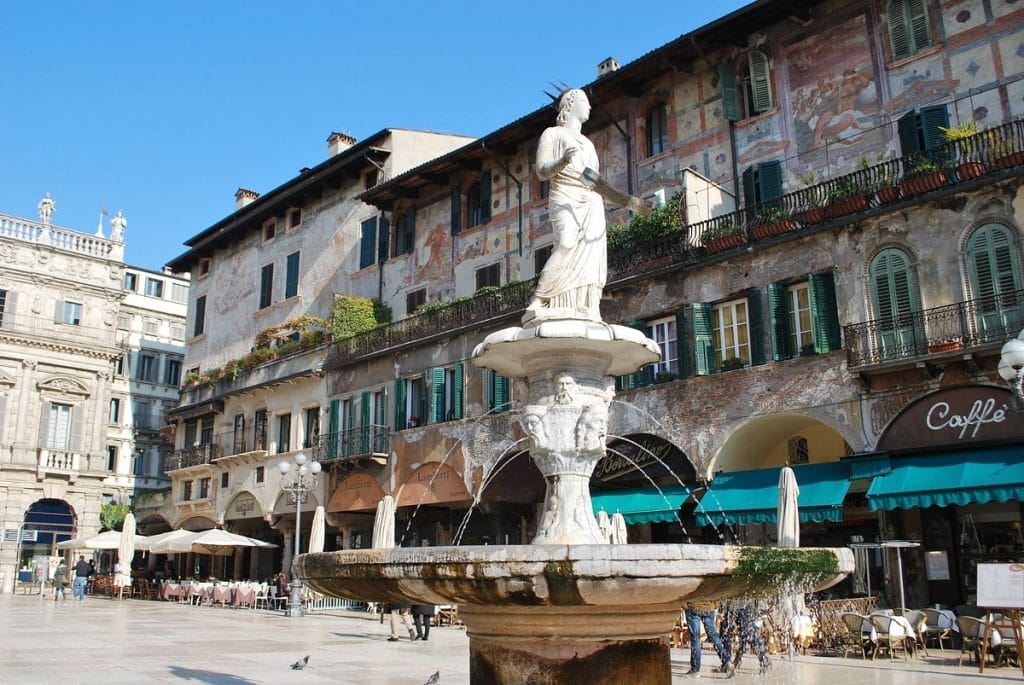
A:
x,y
301,663
434,679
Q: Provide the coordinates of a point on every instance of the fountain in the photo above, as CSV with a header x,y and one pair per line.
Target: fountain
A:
x,y
568,607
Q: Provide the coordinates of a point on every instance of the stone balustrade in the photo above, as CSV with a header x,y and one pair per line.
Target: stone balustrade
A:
x,y
66,239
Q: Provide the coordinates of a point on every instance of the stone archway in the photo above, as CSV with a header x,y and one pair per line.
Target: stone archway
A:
x,y
47,522
764,441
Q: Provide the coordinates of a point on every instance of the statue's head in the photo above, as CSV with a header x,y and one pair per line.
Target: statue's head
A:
x,y
573,104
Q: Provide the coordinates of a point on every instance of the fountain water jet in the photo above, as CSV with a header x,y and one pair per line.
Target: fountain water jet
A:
x,y
568,608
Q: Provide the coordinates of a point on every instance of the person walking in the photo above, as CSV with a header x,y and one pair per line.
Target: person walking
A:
x,y
400,612
421,614
698,613
740,624
60,579
82,571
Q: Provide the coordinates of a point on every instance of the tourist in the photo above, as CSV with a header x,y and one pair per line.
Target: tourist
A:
x,y
60,581
740,623
400,612
82,571
698,613
421,614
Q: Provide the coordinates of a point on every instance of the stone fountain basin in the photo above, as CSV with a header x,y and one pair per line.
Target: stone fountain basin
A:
x,y
548,575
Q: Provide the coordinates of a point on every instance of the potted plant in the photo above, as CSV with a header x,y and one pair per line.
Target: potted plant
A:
x,y
949,344
723,235
848,196
1003,153
886,189
814,211
772,221
924,176
731,364
955,136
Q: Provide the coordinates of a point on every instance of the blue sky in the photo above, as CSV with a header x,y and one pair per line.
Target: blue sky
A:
x,y
163,109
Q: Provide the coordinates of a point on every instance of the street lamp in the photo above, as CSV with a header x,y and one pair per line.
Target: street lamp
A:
x,y
302,481
1011,368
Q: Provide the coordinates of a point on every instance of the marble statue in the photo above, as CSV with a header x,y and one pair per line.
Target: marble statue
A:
x,y
117,226
46,209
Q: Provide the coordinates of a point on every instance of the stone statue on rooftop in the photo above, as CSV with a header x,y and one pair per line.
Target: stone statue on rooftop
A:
x,y
46,207
117,226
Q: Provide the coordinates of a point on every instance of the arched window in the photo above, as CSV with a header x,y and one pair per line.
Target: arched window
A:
x,y
994,272
657,130
894,303
753,94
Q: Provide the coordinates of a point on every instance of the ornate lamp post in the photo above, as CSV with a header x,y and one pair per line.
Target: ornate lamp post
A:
x,y
302,481
1011,369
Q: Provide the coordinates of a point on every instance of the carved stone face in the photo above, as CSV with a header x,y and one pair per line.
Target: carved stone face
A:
x,y
565,388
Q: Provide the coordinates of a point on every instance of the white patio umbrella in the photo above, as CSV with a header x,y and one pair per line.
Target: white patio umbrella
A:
x,y
214,541
317,531
605,524
384,524
109,539
788,520
618,536
125,553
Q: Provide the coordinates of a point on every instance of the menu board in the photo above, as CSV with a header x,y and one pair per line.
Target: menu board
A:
x,y
1001,586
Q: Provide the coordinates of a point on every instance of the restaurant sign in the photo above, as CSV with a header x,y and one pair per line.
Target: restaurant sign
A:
x,y
955,416
640,457
243,506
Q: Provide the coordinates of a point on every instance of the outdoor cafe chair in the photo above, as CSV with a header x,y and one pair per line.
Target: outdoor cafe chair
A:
x,y
856,637
939,628
891,636
919,622
971,631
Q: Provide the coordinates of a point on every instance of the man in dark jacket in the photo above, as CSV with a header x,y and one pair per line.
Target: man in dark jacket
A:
x,y
82,571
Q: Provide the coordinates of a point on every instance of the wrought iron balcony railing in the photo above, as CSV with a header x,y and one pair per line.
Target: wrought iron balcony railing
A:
x,y
354,443
965,325
192,456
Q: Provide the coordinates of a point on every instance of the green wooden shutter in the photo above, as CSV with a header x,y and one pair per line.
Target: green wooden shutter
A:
x,y
899,30
333,428
437,394
456,210
644,376
824,312
760,81
730,101
920,29
703,338
401,421
44,426
993,262
364,416
501,392
410,229
749,187
933,119
458,390
683,346
769,180
778,321
909,140
755,321
384,233
892,284
485,196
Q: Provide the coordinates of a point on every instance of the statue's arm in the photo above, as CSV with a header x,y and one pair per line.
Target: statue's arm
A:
x,y
552,154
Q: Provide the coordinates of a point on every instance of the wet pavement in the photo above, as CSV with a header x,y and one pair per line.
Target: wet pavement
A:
x,y
131,641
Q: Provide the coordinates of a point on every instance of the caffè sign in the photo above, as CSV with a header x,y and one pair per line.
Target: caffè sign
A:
x,y
955,416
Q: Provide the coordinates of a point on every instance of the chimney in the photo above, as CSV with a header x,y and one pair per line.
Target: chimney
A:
x,y
244,197
338,143
607,66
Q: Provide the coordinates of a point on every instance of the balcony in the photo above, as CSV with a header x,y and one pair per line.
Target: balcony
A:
x,y
192,456
965,327
372,443
66,239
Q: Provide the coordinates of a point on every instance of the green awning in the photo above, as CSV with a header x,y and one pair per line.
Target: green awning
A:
x,y
646,505
753,496
973,476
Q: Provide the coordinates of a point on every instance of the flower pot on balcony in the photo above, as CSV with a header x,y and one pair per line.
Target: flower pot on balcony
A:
x,y
773,228
724,242
970,169
923,183
944,346
888,194
1010,160
848,205
811,216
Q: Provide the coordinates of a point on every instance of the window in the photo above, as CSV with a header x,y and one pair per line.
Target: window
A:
x,y
151,326
191,433
446,390
111,457
186,490
478,201
368,243
663,332
139,463
762,183
657,130
284,433
753,94
803,318
143,417
204,488
261,474
70,313
310,427
540,257
921,131
204,266
269,230
259,430
405,232
893,300
415,300
499,392
910,28
154,287
994,273
266,286
179,292
147,368
115,410
172,372
488,276
224,480
798,312
58,426
731,332
238,434
131,282
410,402
456,209
294,218
119,366
799,453
206,430
199,323
291,276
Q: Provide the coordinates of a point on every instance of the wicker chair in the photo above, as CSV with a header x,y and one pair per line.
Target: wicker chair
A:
x,y
856,637
971,630
936,631
920,623
890,638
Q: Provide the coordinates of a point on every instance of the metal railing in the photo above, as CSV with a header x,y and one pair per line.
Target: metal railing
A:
x,y
192,456
353,443
961,326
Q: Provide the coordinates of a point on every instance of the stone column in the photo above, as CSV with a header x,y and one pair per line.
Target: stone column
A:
x,y
24,434
236,566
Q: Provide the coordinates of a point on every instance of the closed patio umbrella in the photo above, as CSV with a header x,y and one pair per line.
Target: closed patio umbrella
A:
x,y
317,531
384,524
605,524
618,536
125,553
788,520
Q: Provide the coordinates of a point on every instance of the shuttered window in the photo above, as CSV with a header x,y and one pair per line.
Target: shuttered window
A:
x,y
485,196
730,327
499,393
456,207
760,87
383,235
992,260
703,339
909,27
824,313
446,389
367,242
893,290
266,285
291,275
657,130
730,98
762,183
922,130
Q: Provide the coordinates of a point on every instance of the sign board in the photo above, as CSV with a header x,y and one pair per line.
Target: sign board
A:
x,y
11,535
1001,586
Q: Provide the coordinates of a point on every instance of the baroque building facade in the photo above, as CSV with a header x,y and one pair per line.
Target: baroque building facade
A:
x,y
841,266
75,322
